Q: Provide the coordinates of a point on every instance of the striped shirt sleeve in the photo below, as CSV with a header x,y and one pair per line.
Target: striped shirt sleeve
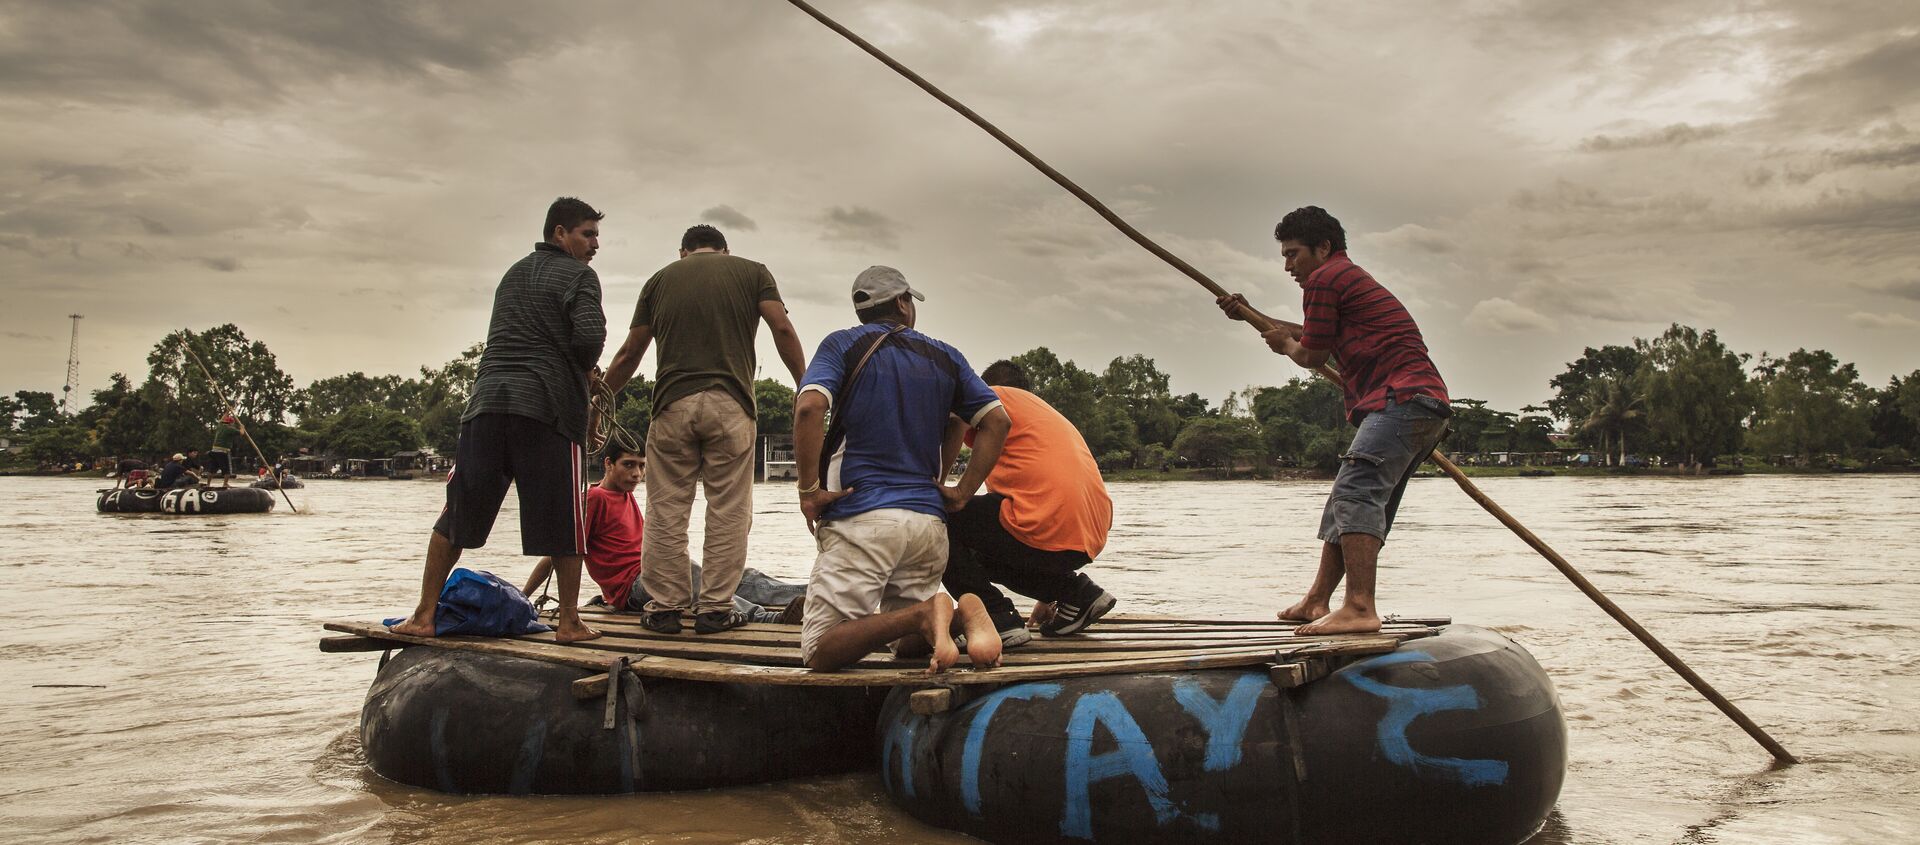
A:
x,y
589,320
1321,305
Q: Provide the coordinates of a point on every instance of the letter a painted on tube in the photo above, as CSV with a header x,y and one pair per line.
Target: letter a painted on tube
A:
x,y
1225,721
1132,757
977,735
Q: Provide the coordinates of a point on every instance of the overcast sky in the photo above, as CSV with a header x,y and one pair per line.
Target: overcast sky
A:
x,y
347,181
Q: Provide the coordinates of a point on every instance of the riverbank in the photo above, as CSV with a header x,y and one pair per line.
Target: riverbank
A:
x,y
1290,474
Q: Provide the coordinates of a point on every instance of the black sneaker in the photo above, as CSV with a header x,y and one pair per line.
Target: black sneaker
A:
x,y
719,620
794,613
661,621
1071,616
1013,630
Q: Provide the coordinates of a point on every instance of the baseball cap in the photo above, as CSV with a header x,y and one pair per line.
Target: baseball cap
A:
x,y
179,457
879,284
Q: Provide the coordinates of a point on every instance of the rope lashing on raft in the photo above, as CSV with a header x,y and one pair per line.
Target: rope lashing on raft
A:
x,y
603,403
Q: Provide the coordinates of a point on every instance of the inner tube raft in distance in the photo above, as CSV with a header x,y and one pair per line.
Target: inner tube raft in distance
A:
x,y
468,722
269,483
185,501
1454,738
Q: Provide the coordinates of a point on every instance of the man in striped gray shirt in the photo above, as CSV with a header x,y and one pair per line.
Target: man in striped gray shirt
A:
x,y
528,417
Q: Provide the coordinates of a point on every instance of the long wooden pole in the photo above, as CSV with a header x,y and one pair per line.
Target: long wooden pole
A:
x,y
1260,322
187,344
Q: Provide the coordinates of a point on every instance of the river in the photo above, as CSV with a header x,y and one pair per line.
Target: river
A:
x,y
162,684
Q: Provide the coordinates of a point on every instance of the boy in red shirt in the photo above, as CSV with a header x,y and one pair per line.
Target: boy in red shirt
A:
x,y
614,531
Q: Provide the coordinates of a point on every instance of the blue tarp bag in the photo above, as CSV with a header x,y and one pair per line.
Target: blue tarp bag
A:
x,y
480,604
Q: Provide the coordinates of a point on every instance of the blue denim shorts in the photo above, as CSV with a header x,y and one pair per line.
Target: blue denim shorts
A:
x,y
1390,444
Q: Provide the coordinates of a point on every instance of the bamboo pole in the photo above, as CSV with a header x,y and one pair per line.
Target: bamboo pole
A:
x,y
1263,324
232,412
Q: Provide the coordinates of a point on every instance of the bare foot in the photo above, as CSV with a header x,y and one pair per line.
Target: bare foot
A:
x,y
983,640
1304,610
1346,620
1041,615
573,631
935,628
414,626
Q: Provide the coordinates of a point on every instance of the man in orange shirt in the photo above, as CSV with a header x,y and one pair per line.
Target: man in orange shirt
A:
x,y
1045,516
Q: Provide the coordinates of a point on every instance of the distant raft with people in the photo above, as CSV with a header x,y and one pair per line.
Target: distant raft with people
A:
x,y
1141,731
185,501
289,482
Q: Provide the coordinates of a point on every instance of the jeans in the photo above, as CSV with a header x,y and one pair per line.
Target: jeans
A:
x,y
1390,444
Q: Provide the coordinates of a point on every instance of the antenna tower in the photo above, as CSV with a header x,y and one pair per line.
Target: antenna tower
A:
x,y
73,369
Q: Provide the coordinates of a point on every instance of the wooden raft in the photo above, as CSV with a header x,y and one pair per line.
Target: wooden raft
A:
x,y
763,653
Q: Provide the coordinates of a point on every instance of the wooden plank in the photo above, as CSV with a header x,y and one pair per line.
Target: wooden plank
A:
x,y
593,660
593,686
347,645
1021,656
1299,672
927,702
789,636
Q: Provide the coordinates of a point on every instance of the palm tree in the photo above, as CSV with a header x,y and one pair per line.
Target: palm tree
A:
x,y
1614,404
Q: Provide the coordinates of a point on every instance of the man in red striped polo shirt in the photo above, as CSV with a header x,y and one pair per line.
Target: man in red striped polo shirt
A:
x,y
1394,395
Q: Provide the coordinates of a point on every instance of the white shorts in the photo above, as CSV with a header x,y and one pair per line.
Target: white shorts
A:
x,y
871,563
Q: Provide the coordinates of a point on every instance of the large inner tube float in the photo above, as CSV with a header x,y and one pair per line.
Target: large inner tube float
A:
x,y
1455,738
185,501
467,722
129,500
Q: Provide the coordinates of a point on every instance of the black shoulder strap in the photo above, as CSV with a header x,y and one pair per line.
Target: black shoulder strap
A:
x,y
836,428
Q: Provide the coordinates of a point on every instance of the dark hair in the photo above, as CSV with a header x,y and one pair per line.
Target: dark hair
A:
x,y
1311,226
618,446
702,236
888,310
568,213
1004,373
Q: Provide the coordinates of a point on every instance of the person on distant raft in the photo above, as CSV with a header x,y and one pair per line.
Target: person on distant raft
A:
x,y
1045,516
705,309
1394,394
615,530
527,417
220,457
175,474
871,487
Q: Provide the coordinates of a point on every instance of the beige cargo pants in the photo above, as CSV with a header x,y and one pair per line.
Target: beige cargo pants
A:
x,y
706,438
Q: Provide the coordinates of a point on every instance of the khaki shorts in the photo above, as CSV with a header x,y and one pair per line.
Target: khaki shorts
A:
x,y
871,563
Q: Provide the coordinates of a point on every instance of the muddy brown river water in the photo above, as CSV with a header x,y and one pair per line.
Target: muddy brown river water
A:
x,y
159,680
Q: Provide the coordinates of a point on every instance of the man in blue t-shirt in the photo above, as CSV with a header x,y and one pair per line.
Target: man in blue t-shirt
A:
x,y
871,485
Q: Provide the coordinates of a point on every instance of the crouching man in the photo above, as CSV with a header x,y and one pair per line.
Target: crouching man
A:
x,y
1047,515
871,485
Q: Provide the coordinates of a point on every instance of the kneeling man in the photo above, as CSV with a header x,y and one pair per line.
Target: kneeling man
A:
x,y
876,503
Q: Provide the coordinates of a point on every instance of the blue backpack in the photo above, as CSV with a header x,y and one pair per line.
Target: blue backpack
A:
x,y
480,604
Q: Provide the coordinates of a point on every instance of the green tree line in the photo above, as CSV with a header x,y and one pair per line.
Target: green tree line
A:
x,y
1682,396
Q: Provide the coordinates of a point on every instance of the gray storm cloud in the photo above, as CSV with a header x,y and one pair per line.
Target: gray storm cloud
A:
x,y
346,181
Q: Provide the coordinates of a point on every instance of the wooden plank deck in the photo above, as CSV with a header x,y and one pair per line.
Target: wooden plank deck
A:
x,y
770,653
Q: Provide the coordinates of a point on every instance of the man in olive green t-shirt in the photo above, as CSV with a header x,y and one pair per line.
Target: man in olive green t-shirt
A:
x,y
704,310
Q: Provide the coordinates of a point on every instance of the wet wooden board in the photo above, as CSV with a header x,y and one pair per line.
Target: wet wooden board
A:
x,y
769,653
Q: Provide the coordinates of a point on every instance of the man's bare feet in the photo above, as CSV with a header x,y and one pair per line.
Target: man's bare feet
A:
x,y
983,640
936,627
414,626
573,631
1346,620
1304,610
